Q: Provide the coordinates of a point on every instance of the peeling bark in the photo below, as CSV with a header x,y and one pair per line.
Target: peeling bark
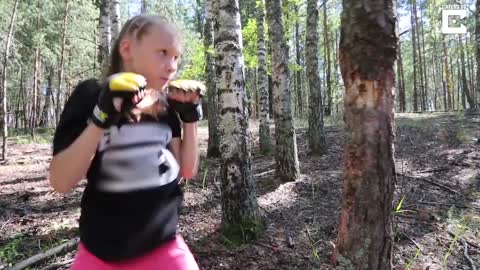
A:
x,y
368,49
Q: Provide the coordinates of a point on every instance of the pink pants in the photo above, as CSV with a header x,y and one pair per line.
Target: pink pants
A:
x,y
174,255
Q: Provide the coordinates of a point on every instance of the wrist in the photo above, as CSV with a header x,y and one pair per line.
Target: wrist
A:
x,y
95,128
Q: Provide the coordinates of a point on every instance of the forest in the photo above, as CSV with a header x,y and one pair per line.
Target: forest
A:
x,y
336,134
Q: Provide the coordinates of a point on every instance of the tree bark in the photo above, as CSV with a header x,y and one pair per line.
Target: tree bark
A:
x,y
24,101
239,204
446,74
418,52
414,56
33,117
60,102
114,15
48,94
452,82
213,136
264,129
466,91
286,155
298,72
401,81
328,109
368,49
470,74
424,67
316,133
104,30
477,46
6,54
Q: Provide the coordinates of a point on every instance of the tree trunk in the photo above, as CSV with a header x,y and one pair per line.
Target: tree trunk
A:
x,y
452,82
444,88
477,46
105,35
470,74
212,112
298,72
424,67
460,90
240,219
446,75
198,15
401,81
264,129
367,56
316,133
114,15
24,101
33,117
328,110
144,7
436,86
471,102
18,99
6,54
414,56
62,63
49,90
286,156
418,51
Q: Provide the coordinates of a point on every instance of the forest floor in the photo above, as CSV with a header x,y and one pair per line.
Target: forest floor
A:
x,y
438,185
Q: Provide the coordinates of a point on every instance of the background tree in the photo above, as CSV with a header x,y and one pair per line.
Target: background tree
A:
x,y
213,138
264,129
4,81
286,155
316,133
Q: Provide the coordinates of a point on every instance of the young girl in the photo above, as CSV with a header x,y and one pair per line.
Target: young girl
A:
x,y
128,144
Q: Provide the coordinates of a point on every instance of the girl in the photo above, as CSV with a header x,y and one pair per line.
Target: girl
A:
x,y
131,152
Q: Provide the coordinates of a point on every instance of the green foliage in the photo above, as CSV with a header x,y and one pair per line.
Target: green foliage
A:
x,y
193,60
249,34
10,251
412,260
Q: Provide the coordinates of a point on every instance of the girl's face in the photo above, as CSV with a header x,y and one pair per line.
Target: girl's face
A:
x,y
155,55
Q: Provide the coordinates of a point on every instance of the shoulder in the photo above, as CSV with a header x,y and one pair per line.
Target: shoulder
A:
x,y
84,95
89,87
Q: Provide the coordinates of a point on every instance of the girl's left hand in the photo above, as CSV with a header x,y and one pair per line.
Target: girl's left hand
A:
x,y
184,96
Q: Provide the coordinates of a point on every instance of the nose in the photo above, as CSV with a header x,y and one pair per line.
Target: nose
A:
x,y
172,65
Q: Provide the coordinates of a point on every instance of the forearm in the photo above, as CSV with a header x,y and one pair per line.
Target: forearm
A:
x,y
189,151
69,166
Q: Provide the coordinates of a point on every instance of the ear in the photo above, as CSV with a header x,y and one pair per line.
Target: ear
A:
x,y
125,49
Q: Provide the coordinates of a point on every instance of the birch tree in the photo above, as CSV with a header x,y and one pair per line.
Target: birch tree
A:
x,y
286,154
240,217
264,129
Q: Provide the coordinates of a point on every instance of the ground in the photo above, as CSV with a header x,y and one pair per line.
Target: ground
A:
x,y
436,207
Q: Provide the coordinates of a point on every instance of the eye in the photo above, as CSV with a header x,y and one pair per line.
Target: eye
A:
x,y
162,52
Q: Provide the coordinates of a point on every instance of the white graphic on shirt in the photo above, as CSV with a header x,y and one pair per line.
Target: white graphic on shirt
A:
x,y
135,157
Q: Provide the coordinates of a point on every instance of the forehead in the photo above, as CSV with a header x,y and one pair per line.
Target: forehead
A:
x,y
162,37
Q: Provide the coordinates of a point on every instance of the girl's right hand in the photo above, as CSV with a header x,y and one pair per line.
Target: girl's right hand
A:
x,y
117,92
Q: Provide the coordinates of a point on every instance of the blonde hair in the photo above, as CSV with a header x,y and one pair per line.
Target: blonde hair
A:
x,y
138,27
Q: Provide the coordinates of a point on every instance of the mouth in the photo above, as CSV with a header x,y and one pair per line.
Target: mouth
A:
x,y
164,79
